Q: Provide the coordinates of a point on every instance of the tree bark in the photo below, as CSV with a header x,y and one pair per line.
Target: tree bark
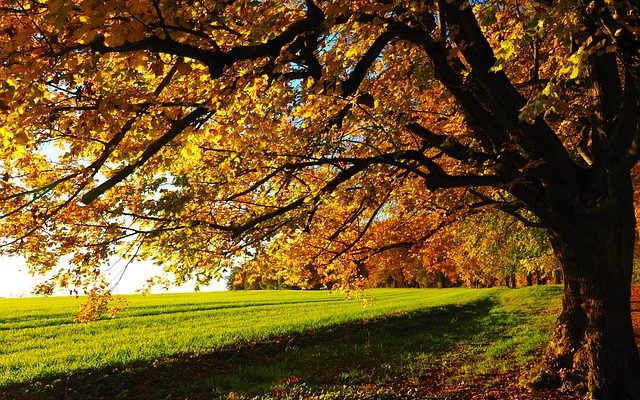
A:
x,y
593,346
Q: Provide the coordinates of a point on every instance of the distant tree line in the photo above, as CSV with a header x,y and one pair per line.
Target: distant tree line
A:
x,y
480,250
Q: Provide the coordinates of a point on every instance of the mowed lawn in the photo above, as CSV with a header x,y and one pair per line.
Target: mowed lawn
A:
x,y
240,344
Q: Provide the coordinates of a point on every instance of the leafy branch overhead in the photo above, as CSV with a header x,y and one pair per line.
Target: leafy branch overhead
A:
x,y
177,64
259,117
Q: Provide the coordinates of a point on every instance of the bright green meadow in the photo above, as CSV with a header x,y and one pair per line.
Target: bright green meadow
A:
x,y
411,330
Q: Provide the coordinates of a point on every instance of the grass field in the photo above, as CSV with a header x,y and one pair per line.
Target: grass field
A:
x,y
275,344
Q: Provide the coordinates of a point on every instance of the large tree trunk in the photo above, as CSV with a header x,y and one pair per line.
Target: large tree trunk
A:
x,y
593,345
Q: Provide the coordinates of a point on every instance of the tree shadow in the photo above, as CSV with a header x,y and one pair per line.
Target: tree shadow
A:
x,y
326,356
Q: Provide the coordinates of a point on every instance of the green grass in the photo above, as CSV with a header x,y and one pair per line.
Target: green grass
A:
x,y
39,338
253,343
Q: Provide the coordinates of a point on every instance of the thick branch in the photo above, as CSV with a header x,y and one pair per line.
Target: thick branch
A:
x,y
215,60
176,128
502,99
350,85
448,145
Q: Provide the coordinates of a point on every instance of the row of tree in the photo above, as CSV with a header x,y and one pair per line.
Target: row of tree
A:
x,y
480,250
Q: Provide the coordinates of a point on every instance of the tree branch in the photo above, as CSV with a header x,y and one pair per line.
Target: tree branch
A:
x,y
448,145
351,84
176,128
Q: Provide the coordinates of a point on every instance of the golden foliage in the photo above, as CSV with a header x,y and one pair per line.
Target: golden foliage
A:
x,y
300,137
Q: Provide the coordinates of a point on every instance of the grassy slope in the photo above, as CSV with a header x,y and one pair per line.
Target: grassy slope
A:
x,y
39,338
449,336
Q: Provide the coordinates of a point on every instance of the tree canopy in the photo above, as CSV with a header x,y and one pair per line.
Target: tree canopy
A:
x,y
188,131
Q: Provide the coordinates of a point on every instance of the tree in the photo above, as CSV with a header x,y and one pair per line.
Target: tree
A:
x,y
503,248
477,250
191,131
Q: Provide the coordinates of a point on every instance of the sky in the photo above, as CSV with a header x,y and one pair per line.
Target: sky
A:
x,y
15,280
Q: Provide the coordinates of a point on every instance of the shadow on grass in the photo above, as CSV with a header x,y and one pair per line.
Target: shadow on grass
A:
x,y
355,353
